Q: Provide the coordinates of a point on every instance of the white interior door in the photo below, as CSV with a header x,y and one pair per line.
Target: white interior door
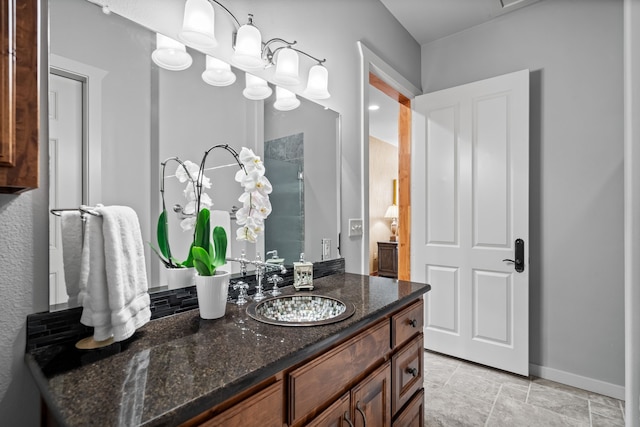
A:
x,y
65,169
470,202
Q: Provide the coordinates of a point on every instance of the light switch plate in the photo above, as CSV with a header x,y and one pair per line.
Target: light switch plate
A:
x,y
355,227
326,249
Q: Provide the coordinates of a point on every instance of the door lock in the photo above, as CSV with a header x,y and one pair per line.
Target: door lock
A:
x,y
519,261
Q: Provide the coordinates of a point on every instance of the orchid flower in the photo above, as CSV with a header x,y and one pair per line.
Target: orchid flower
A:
x,y
255,199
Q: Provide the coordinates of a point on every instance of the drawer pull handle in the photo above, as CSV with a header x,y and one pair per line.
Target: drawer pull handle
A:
x,y
413,322
364,417
346,418
412,371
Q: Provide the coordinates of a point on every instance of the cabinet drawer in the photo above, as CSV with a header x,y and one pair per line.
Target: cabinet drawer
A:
x,y
334,415
413,414
407,323
264,408
407,368
330,375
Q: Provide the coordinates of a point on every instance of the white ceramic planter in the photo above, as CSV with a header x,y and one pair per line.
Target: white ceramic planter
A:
x,y
178,278
212,294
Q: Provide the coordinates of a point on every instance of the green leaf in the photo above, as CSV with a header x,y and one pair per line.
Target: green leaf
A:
x,y
189,261
201,261
203,230
163,235
220,246
162,259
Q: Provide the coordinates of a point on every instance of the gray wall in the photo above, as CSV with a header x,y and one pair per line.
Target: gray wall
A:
x,y
574,51
328,28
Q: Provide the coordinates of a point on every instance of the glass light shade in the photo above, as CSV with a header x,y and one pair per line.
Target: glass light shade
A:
x,y
317,83
197,25
392,212
287,67
256,88
248,48
170,54
218,73
285,100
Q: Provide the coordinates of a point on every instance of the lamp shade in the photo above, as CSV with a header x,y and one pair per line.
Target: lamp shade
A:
x,y
256,88
285,100
287,67
170,54
248,48
198,24
392,212
218,73
317,83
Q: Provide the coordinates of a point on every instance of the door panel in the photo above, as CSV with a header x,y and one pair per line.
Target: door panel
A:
x,y
470,203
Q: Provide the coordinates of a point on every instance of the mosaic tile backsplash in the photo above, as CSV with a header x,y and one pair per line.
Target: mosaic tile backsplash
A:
x,y
59,327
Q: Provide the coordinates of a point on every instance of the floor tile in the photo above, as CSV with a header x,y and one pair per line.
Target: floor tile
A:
x,y
562,387
559,401
444,407
612,412
600,421
495,375
473,386
508,412
515,393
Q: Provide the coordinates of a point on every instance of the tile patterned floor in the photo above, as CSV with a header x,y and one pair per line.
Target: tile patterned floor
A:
x,y
459,393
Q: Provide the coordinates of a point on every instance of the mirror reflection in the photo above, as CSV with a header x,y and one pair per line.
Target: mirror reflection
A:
x,y
115,116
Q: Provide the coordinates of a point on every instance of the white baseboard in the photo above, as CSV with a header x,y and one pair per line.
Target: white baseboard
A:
x,y
589,384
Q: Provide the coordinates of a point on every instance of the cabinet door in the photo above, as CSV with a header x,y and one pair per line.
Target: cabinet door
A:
x,y
264,409
371,399
336,415
7,80
413,414
407,366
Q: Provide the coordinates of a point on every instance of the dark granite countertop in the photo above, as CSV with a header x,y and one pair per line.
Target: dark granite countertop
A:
x,y
176,367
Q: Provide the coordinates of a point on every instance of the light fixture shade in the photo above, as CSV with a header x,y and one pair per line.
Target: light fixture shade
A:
x,y
392,212
287,67
218,73
248,48
198,23
285,100
256,88
170,54
318,83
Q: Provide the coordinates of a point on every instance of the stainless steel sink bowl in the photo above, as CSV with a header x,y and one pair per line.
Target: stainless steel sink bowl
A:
x,y
300,310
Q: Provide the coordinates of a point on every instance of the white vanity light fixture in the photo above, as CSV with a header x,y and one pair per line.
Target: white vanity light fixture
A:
x,y
248,46
287,67
218,73
317,83
170,54
198,24
285,100
256,88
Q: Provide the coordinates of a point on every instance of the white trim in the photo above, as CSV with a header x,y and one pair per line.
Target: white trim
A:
x,y
93,157
370,62
584,383
632,210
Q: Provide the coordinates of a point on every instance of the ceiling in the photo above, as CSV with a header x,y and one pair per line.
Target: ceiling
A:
x,y
429,20
426,21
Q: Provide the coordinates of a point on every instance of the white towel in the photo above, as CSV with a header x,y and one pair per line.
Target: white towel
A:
x,y
94,294
223,219
116,301
71,223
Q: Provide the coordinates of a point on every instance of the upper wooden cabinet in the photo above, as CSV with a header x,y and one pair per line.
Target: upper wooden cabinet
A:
x,y
19,97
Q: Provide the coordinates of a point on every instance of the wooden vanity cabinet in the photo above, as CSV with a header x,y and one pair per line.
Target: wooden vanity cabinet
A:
x,y
373,379
19,97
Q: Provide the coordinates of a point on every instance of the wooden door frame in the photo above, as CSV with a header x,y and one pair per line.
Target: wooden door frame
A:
x,y
394,84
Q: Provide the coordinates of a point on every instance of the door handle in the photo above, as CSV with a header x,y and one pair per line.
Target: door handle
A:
x,y
364,417
346,418
519,261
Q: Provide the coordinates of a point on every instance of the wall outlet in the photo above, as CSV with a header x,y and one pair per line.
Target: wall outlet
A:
x,y
355,227
326,249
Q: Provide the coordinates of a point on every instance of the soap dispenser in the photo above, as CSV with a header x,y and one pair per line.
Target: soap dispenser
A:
x,y
303,274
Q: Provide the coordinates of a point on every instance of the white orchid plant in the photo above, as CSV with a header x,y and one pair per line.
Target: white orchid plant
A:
x,y
256,207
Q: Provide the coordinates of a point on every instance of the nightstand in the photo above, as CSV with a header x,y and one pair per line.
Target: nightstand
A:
x,y
388,259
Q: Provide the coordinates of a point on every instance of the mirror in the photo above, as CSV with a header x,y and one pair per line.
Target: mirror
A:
x,y
126,116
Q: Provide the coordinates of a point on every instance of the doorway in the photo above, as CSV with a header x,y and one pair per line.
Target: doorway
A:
x,y
389,180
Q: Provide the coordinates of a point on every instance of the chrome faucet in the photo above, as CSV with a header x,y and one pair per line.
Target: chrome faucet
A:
x,y
262,268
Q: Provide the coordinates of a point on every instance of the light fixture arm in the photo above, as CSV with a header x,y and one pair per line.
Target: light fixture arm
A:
x,y
228,12
319,61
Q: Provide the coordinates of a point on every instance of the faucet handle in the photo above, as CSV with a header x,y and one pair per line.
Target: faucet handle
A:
x,y
242,296
275,279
